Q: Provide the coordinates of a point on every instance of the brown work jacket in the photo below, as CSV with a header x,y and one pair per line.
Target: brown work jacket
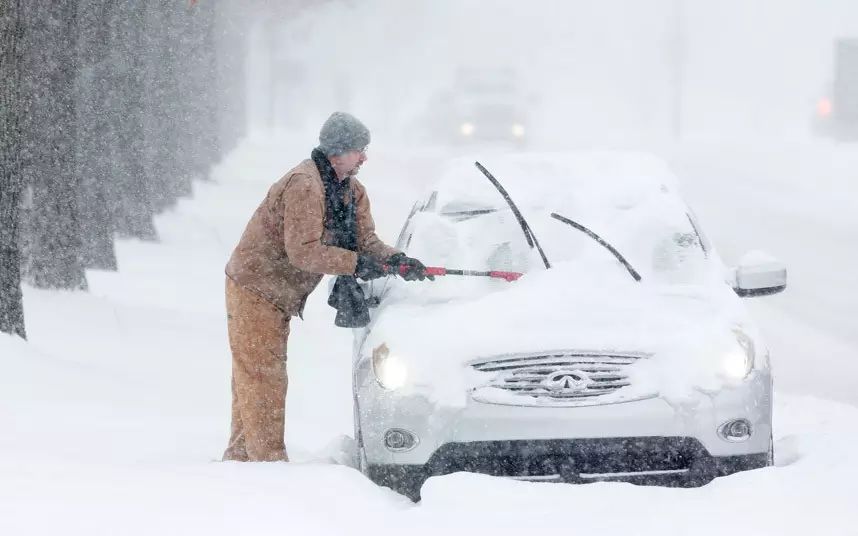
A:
x,y
284,250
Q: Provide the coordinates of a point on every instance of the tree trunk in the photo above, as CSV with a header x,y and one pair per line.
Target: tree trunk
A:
x,y
161,101
201,99
232,41
11,179
93,166
132,207
53,226
180,91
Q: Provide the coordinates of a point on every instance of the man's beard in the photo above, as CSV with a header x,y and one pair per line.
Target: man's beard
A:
x,y
354,171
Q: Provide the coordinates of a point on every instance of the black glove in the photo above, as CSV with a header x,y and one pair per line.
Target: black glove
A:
x,y
414,269
369,268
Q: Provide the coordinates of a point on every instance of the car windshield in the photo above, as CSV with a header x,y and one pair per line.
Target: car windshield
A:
x,y
632,207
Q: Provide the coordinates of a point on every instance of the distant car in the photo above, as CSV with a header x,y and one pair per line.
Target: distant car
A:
x,y
490,122
577,373
836,113
483,106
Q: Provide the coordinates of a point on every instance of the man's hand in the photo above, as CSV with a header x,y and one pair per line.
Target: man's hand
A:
x,y
369,268
413,269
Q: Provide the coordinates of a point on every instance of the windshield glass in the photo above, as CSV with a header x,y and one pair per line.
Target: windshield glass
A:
x,y
630,201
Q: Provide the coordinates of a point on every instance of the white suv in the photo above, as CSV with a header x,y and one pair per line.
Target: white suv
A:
x,y
622,353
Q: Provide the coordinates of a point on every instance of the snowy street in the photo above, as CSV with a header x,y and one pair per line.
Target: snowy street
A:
x,y
151,340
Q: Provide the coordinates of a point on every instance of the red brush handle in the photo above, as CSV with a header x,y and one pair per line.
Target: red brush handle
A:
x,y
437,270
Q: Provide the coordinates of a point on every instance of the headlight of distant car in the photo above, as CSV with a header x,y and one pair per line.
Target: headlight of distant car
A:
x,y
518,130
466,129
739,360
824,107
390,370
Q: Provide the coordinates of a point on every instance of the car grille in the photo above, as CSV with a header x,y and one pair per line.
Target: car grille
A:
x,y
556,378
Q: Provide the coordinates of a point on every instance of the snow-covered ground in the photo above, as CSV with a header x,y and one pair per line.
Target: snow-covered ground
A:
x,y
115,413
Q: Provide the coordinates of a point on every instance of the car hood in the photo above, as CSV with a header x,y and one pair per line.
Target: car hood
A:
x,y
541,312
538,313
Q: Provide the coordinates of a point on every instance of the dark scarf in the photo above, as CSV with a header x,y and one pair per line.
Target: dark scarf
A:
x,y
341,226
340,217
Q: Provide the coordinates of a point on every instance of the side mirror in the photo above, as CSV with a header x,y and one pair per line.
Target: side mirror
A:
x,y
759,274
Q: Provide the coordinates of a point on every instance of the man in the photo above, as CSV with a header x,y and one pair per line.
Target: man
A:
x,y
315,220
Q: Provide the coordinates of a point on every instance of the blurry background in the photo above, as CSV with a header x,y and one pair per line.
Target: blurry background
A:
x,y
114,112
590,73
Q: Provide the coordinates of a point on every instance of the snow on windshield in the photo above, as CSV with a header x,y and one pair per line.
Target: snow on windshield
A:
x,y
630,200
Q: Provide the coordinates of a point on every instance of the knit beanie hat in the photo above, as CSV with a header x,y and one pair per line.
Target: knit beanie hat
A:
x,y
342,133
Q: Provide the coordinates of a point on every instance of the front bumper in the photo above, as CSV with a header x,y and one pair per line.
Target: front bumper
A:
x,y
380,410
664,461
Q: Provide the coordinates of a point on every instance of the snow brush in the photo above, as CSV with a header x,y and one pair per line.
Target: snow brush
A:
x,y
436,270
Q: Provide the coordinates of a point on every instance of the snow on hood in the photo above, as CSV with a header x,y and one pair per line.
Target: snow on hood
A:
x,y
684,328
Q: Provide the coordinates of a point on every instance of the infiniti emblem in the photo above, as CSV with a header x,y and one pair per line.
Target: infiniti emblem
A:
x,y
566,381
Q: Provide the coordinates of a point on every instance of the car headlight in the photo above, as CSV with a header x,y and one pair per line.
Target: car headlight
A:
x,y
739,360
518,130
390,370
466,129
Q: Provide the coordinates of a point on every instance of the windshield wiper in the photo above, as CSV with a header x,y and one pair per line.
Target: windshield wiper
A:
x,y
598,239
528,232
463,215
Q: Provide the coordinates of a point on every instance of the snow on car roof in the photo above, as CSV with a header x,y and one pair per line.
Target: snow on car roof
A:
x,y
557,180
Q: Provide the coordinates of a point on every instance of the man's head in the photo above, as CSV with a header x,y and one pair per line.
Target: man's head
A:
x,y
344,139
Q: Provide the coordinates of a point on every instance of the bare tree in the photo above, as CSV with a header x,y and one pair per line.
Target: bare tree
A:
x,y
11,179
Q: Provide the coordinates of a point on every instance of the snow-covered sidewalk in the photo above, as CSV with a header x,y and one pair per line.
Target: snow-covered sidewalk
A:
x,y
115,412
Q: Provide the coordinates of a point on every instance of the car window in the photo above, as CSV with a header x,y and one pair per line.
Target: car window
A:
x,y
657,237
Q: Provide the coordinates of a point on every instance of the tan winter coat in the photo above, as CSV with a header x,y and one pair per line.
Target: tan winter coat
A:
x,y
283,252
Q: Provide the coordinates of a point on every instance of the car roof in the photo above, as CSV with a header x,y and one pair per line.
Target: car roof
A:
x,y
556,181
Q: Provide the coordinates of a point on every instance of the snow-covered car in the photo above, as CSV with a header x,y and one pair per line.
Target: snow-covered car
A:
x,y
632,358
